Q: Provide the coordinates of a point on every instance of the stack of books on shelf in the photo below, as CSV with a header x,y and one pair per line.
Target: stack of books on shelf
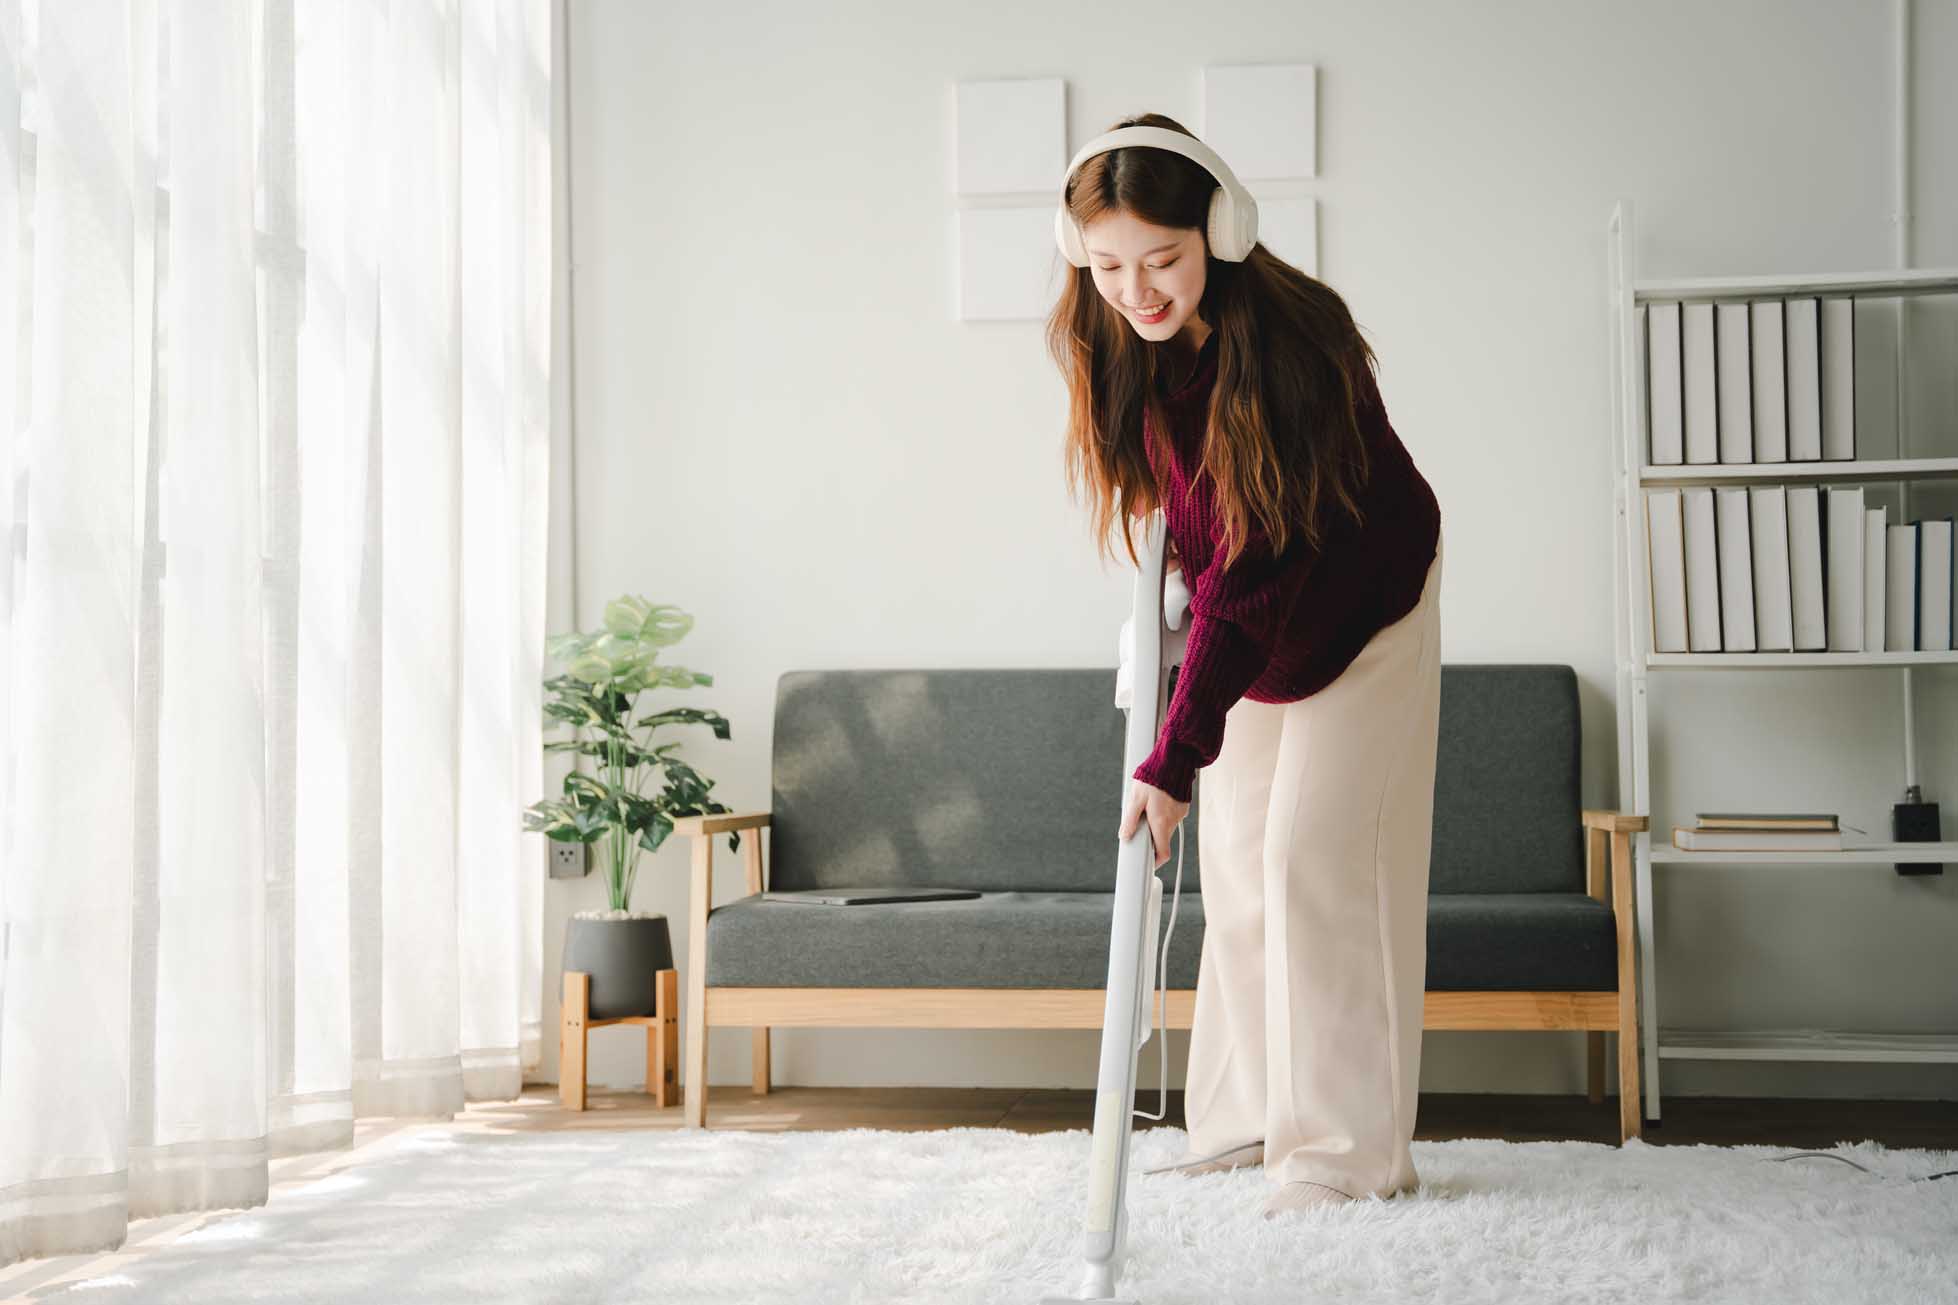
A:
x,y
1795,568
1760,833
1765,567
1773,380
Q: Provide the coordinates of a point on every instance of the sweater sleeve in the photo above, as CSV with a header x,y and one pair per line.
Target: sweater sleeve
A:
x,y
1238,614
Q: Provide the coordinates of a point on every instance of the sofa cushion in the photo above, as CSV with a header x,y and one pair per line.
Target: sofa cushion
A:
x,y
1520,942
1506,815
1000,780
1010,780
1477,942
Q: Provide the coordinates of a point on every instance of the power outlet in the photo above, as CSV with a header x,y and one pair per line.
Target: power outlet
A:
x,y
569,860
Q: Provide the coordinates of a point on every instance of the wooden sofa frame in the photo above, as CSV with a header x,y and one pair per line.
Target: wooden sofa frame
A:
x,y
1608,869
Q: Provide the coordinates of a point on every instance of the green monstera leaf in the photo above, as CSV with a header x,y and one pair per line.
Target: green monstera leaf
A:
x,y
634,620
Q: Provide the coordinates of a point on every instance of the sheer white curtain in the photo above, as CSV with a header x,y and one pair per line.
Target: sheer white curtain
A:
x,y
274,364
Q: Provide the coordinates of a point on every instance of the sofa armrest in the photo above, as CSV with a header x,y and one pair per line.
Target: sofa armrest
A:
x,y
1614,822
1607,851
1608,876
721,823
702,830
1608,856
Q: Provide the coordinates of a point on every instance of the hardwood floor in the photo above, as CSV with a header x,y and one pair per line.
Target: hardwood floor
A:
x,y
1719,1121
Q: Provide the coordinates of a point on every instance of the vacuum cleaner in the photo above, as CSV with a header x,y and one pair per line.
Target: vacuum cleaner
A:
x,y
1132,947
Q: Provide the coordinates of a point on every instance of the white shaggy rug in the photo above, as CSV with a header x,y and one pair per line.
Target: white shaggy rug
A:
x,y
990,1216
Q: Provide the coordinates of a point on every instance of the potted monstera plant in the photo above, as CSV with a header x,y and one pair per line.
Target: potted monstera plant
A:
x,y
626,803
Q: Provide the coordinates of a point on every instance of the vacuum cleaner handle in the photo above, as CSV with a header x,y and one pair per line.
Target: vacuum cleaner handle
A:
x,y
1133,929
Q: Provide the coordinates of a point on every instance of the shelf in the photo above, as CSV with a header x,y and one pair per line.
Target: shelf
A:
x,y
1873,285
1861,854
1635,483
1732,473
1765,661
1810,1044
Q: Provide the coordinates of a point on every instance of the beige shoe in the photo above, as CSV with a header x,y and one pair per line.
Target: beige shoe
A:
x,y
1302,1196
1252,1153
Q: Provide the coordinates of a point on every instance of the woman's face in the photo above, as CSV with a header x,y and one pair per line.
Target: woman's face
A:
x,y
1140,266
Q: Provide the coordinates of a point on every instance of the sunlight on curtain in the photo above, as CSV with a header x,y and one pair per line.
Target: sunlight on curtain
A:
x,y
275,363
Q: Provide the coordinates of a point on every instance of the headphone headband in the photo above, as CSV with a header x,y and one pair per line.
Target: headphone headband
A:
x,y
1233,218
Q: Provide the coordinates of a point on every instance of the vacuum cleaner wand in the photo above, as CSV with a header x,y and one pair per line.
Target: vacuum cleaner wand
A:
x,y
1131,949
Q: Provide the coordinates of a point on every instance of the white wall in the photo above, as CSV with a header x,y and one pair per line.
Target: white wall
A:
x,y
781,427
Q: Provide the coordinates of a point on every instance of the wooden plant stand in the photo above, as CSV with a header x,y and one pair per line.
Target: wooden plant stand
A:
x,y
662,1039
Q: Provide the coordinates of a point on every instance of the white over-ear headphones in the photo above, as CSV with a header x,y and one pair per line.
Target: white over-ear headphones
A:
x,y
1233,221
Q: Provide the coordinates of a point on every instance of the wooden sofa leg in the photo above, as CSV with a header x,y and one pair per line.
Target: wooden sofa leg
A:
x,y
1596,850
1631,1112
1631,1109
758,882
574,1012
663,1040
694,1090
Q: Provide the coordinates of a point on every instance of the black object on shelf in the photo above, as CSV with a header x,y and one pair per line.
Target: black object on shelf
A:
x,y
1915,821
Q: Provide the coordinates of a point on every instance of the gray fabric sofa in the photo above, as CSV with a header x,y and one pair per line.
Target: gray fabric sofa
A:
x,y
1009,782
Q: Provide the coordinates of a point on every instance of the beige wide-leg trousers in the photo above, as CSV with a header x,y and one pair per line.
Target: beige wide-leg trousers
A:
x,y
1313,843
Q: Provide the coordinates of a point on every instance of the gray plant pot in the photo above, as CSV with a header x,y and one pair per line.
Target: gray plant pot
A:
x,y
622,956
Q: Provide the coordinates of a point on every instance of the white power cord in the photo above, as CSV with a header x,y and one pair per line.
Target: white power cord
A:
x,y
1162,978
1176,602
1830,1155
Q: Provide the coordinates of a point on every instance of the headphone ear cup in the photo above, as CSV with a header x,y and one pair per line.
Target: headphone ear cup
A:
x,y
1068,237
1223,241
1233,228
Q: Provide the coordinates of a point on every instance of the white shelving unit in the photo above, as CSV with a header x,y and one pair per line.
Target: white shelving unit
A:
x,y
1637,661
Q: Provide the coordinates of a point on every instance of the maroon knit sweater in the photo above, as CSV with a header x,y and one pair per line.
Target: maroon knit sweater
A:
x,y
1277,629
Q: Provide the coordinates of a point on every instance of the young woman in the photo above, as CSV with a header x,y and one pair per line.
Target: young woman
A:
x,y
1239,398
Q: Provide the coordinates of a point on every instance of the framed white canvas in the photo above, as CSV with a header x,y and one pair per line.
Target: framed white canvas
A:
x,y
1289,227
1263,118
1008,264
1011,136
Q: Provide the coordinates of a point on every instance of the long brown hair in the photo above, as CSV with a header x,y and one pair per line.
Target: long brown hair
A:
x,y
1282,444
